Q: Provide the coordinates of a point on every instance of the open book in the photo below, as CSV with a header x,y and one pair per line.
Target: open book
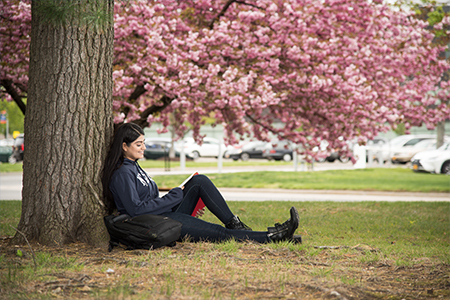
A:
x,y
187,179
200,205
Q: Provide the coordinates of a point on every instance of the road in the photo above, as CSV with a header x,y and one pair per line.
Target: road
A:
x,y
11,187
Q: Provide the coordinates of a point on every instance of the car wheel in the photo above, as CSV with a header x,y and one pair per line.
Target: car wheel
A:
x,y
195,155
287,157
320,159
445,169
245,156
344,159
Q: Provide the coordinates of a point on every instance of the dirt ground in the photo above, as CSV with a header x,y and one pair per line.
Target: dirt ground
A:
x,y
203,271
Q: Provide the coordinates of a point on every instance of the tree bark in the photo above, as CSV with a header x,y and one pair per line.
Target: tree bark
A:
x,y
440,130
68,128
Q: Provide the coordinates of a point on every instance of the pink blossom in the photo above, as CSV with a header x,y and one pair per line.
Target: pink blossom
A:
x,y
331,70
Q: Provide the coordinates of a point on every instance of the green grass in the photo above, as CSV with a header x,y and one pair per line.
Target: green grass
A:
x,y
372,242
406,230
9,216
395,179
402,229
373,179
9,168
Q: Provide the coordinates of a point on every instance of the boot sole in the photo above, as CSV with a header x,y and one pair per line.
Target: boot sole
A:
x,y
295,221
297,239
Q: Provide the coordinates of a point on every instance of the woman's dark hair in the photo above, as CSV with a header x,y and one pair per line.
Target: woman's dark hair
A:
x,y
126,133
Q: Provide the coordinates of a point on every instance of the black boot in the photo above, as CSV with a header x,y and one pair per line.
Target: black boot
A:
x,y
285,231
237,224
297,239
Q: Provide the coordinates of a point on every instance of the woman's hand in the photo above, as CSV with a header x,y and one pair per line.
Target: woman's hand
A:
x,y
200,212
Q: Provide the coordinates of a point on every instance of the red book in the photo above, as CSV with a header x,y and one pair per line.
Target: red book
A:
x,y
200,205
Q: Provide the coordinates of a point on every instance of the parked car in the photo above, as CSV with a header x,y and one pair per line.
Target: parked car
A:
x,y
157,149
374,145
209,148
325,155
17,150
5,153
387,150
280,150
335,155
405,153
246,151
433,161
7,142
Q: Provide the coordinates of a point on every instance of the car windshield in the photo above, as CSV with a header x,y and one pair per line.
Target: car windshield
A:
x,y
398,140
425,144
414,141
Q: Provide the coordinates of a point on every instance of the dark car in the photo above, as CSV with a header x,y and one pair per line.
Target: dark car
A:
x,y
245,152
281,151
5,153
159,149
17,150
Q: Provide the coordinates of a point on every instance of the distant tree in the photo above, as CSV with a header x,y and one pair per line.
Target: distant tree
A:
x,y
15,118
438,18
15,30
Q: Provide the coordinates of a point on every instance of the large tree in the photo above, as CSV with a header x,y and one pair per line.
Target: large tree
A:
x,y
68,122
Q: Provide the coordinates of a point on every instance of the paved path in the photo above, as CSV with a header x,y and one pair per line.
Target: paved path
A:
x,y
11,187
237,194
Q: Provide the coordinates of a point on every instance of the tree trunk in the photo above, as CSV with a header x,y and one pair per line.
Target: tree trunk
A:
x,y
440,128
68,128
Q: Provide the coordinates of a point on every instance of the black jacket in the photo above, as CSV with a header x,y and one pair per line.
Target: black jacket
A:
x,y
135,193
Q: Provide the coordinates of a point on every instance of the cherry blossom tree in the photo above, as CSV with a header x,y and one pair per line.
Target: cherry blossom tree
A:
x,y
15,29
328,70
332,70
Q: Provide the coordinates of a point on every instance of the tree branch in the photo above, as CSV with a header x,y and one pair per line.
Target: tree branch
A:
x,y
225,8
253,120
222,12
8,85
138,91
153,110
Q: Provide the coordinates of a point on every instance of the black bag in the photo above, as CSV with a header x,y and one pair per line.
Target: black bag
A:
x,y
142,232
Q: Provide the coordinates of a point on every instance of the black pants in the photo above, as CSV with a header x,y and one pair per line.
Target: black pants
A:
x,y
201,186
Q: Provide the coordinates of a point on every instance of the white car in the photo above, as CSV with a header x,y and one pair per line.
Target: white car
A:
x,y
209,148
404,154
394,145
433,161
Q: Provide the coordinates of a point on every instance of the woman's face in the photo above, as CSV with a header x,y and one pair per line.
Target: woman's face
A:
x,y
136,149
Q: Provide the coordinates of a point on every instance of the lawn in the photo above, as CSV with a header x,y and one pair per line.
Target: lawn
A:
x,y
351,250
379,179
357,250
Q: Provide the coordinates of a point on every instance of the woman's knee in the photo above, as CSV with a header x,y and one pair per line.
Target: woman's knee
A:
x,y
200,179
